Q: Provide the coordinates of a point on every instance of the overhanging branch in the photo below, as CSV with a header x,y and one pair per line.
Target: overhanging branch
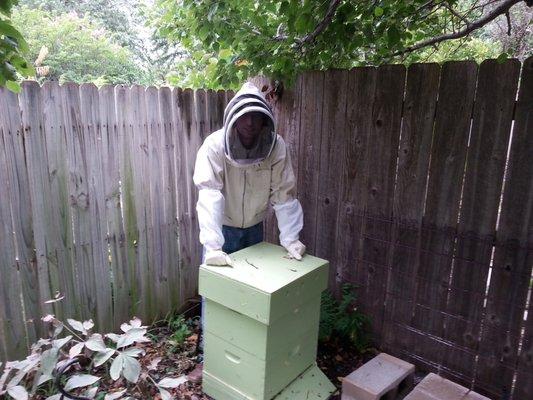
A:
x,y
322,25
470,27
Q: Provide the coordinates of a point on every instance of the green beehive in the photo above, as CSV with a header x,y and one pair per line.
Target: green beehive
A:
x,y
261,325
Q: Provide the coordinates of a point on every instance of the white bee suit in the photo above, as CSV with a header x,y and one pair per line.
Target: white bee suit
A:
x,y
236,184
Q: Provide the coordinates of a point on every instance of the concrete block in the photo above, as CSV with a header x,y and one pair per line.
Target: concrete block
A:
x,y
434,387
382,378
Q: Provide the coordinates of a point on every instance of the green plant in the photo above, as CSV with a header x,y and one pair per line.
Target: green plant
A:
x,y
111,356
180,329
343,319
12,50
227,41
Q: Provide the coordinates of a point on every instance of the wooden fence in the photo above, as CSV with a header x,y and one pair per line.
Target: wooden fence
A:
x,y
417,185
97,204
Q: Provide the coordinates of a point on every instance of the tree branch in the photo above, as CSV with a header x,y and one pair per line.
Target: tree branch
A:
x,y
501,9
322,25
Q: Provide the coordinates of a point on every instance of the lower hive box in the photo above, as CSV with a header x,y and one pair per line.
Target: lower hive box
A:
x,y
261,324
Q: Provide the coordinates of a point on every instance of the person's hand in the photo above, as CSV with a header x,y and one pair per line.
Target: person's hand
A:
x,y
296,250
217,258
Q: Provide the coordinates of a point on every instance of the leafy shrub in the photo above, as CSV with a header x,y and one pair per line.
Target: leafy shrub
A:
x,y
342,318
111,355
180,329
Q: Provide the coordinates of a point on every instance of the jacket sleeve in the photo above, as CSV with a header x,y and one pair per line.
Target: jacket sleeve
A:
x,y
288,210
208,178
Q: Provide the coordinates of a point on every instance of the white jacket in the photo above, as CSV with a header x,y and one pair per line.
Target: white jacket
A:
x,y
236,192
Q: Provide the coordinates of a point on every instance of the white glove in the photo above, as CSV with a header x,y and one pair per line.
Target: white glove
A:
x,y
217,258
296,249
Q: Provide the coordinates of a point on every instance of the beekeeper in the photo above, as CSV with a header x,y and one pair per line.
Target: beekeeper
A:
x,y
239,170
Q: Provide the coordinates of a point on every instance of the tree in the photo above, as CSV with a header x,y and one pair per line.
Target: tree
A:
x,y
12,49
119,17
233,39
78,50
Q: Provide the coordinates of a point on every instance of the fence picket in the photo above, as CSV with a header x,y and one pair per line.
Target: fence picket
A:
x,y
452,125
413,164
513,261
485,164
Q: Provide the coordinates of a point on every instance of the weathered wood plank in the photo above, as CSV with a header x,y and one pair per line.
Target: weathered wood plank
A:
x,y
489,139
309,152
199,131
188,141
21,211
413,165
170,217
78,189
334,136
179,167
524,376
144,273
452,125
381,169
59,234
125,127
96,210
112,192
158,255
40,196
353,173
12,330
513,258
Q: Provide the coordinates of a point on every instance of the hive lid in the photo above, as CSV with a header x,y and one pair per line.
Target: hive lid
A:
x,y
263,281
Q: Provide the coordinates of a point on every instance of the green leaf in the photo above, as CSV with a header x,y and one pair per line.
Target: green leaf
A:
x,y
502,58
5,7
116,367
49,360
18,393
393,36
302,22
96,343
102,356
13,86
58,343
225,54
8,30
171,383
378,11
131,369
165,394
80,380
77,325
115,395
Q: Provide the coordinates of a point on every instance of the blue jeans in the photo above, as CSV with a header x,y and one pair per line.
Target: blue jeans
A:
x,y
235,239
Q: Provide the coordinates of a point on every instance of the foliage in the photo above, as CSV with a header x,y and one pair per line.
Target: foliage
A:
x,y
180,329
228,41
343,319
12,49
77,49
115,16
472,49
124,22
111,355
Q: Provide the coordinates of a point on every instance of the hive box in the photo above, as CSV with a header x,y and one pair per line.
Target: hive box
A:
x,y
261,325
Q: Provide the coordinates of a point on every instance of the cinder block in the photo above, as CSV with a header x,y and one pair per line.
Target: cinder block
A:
x,y
434,387
382,378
